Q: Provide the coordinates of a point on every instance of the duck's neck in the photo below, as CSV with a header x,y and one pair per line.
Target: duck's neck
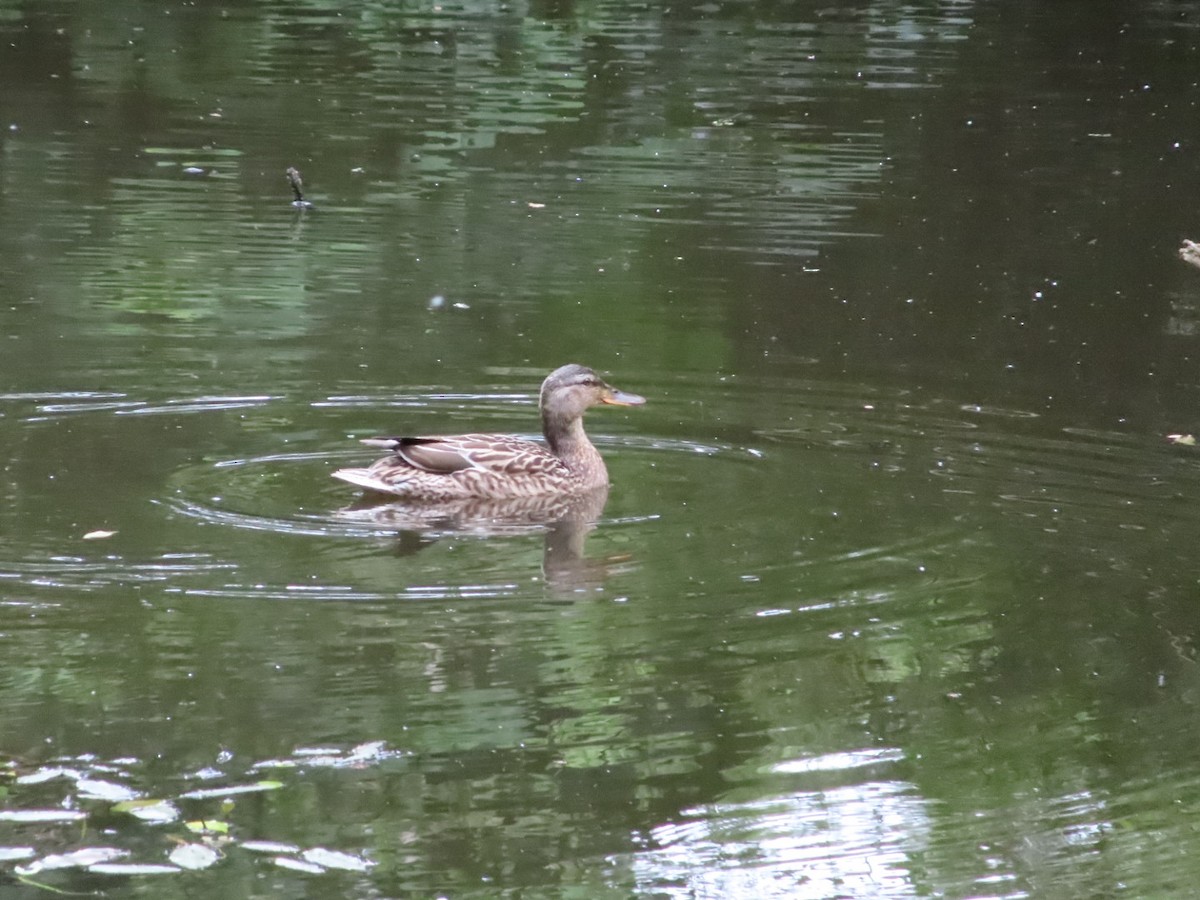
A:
x,y
570,443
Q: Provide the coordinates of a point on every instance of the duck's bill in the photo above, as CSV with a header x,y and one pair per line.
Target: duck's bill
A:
x,y
621,398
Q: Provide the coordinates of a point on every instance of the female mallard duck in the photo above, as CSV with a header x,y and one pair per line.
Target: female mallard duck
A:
x,y
499,466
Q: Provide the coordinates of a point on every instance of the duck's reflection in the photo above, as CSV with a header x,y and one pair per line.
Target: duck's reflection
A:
x,y
565,523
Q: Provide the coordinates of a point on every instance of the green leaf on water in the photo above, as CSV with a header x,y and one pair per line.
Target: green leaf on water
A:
x,y
207,826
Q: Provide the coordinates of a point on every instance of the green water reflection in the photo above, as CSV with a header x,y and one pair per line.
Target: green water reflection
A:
x,y
893,592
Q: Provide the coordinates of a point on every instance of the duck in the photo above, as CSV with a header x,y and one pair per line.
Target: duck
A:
x,y
439,468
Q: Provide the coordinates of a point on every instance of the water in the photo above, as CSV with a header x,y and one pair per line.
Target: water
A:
x,y
892,592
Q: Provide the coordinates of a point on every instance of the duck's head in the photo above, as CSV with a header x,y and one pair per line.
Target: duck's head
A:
x,y
569,390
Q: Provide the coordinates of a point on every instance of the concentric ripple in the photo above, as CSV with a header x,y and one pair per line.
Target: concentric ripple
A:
x,y
258,493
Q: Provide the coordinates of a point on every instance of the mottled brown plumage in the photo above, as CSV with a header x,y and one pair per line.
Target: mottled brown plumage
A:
x,y
499,466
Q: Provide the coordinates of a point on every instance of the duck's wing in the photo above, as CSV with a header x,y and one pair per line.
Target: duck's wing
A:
x,y
445,455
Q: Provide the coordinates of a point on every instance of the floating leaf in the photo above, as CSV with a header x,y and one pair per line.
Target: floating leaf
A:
x,y
133,869
210,793
207,826
41,815
334,859
297,865
194,856
270,847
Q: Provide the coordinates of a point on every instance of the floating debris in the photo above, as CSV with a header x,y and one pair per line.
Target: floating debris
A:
x,y
98,535
209,839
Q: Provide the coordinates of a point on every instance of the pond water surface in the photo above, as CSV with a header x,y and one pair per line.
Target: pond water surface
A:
x,y
895,590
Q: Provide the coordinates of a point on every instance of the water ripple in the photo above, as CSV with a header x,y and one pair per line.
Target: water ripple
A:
x,y
84,575
247,492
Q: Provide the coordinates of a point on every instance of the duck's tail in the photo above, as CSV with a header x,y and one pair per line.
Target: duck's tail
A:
x,y
364,479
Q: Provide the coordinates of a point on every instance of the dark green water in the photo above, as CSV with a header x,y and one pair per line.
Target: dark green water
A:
x,y
895,591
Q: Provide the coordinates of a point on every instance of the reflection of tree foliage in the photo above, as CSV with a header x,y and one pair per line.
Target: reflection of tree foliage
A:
x,y
456,118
